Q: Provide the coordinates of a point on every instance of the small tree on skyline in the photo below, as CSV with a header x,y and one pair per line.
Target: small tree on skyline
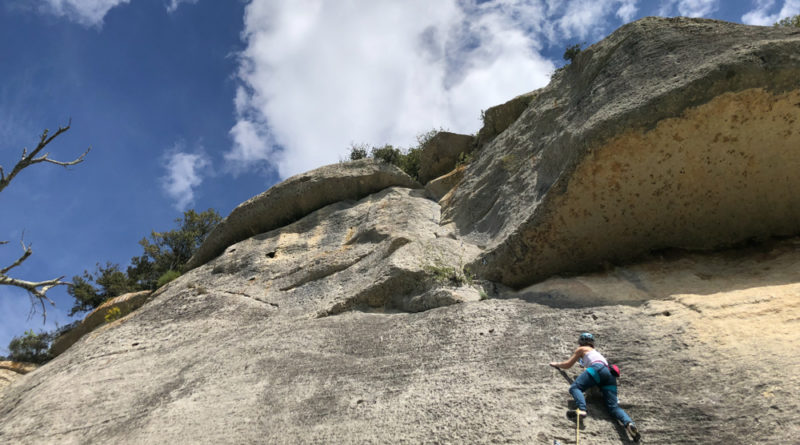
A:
x,y
111,282
171,250
790,22
31,347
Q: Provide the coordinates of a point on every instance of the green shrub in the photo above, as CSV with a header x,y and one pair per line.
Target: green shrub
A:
x,y
408,160
111,282
444,274
790,22
171,250
448,275
387,153
358,151
464,158
163,253
113,314
572,52
423,138
167,277
31,348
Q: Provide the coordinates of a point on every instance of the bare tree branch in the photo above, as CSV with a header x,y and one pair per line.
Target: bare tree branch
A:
x,y
29,159
27,252
37,290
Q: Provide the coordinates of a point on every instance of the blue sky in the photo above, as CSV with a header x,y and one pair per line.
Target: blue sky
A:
x,y
205,103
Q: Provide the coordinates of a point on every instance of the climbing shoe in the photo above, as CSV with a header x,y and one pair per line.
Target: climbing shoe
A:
x,y
633,431
572,413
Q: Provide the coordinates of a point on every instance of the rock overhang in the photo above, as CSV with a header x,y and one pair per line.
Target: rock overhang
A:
x,y
520,198
722,174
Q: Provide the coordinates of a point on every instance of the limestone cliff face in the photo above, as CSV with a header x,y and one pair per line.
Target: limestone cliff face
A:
x,y
669,133
375,314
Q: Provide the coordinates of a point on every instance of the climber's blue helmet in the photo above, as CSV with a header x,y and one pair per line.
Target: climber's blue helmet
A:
x,y
586,339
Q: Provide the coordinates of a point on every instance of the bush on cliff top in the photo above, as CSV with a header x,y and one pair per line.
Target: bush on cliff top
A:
x,y
408,160
793,22
167,277
165,254
31,348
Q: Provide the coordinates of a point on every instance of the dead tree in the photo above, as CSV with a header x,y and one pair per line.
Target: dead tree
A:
x,y
36,289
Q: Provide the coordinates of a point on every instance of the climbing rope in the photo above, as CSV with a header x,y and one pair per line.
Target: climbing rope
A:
x,y
577,426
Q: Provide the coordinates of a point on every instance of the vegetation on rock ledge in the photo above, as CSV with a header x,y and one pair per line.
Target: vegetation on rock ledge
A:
x,y
790,22
164,257
407,160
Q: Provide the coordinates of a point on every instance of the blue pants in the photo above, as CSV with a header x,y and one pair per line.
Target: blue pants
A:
x,y
608,386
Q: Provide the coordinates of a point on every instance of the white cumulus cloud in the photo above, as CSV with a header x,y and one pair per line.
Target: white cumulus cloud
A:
x,y
85,12
318,75
627,10
589,18
689,8
764,13
184,175
173,4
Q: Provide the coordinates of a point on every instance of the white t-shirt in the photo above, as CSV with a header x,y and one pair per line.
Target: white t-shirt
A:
x,y
592,357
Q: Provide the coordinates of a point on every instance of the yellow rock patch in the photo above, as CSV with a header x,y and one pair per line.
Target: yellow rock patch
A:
x,y
721,173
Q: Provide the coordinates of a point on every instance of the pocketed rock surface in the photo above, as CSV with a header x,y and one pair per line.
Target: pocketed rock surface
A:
x,y
386,317
668,133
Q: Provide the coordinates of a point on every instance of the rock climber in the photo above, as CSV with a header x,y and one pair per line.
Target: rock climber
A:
x,y
599,374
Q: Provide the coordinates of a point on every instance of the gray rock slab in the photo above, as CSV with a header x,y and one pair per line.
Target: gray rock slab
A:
x,y
383,252
298,196
352,325
498,118
440,154
125,303
668,133
437,188
217,367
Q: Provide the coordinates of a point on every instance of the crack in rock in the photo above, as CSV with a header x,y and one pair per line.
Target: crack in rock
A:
x,y
242,294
